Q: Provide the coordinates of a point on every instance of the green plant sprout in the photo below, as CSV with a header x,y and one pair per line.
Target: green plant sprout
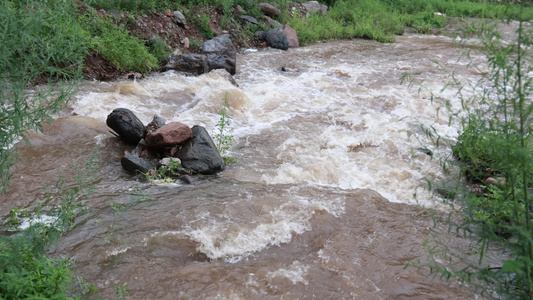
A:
x,y
222,134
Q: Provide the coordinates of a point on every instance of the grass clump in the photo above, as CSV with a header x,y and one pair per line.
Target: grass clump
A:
x,y
116,45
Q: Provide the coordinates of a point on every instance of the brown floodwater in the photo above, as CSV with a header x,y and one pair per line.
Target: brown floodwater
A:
x,y
320,204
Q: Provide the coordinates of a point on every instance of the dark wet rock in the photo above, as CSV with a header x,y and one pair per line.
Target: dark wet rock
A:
x,y
187,179
276,38
261,35
191,63
426,151
221,45
171,134
126,124
291,70
272,22
291,35
134,164
200,153
445,192
217,53
314,7
269,10
249,19
156,123
215,61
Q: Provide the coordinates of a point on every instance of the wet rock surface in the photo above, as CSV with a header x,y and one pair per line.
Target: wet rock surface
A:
x,y
200,153
124,122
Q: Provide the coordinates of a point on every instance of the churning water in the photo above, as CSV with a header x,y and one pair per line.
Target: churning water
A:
x,y
320,204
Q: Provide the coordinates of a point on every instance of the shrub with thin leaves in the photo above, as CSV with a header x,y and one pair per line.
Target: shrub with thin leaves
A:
x,y
494,153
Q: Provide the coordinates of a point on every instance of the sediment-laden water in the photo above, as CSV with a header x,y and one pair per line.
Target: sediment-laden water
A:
x,y
320,204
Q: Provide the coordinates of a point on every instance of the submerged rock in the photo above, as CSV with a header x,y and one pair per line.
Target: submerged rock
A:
x,y
200,153
126,124
134,164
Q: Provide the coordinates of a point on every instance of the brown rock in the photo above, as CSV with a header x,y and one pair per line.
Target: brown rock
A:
x,y
292,37
169,13
169,135
269,10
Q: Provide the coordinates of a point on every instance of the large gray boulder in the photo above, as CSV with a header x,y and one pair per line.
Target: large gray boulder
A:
x,y
220,45
314,7
276,38
291,35
191,63
126,124
200,153
217,53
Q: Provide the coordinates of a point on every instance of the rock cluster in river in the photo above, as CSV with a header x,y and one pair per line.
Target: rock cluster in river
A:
x,y
217,53
281,36
158,142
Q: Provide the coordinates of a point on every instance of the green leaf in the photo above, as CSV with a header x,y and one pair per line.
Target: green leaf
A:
x,y
511,266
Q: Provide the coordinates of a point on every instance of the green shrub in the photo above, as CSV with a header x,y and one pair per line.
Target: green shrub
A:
x,y
496,141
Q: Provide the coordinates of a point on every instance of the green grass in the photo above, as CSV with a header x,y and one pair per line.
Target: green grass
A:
x,y
116,45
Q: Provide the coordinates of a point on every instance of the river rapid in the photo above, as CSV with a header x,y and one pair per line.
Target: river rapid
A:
x,y
320,204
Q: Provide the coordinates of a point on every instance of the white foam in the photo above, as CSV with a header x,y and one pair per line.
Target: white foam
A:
x,y
296,273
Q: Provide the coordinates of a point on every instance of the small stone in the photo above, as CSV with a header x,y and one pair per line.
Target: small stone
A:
x,y
169,13
239,9
179,18
185,42
495,181
249,19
